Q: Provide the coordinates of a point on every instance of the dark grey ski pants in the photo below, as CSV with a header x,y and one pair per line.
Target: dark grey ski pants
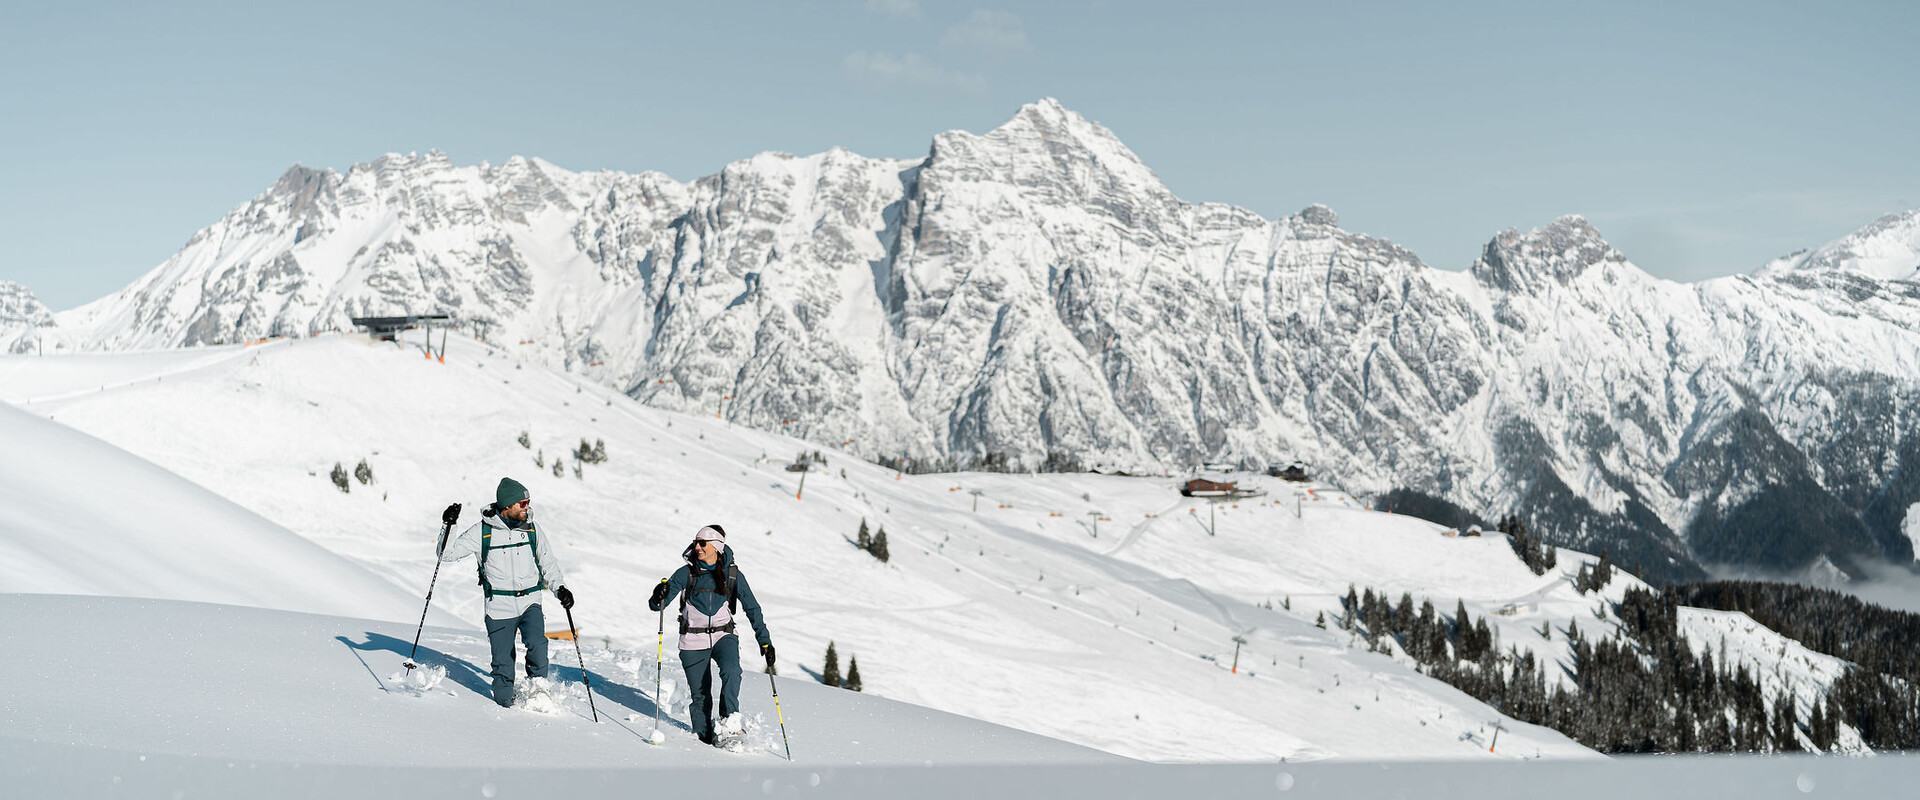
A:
x,y
532,628
725,655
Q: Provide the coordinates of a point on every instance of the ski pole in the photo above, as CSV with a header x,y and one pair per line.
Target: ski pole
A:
x,y
781,715
444,530
583,663
659,658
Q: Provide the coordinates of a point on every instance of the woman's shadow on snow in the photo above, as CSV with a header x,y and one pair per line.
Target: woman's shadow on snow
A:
x,y
618,694
473,678
480,681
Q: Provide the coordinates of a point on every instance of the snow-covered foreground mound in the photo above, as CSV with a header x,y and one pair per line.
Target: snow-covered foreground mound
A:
x,y
186,679
1112,629
183,700
83,516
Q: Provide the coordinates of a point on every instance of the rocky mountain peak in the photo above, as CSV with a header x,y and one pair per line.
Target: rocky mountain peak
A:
x,y
1559,252
1318,214
1056,157
20,308
306,189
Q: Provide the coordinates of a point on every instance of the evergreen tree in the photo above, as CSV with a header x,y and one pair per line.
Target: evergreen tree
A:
x,y
879,548
1603,573
339,477
830,673
866,538
1583,582
1420,638
1786,726
853,674
1351,604
363,473
1816,721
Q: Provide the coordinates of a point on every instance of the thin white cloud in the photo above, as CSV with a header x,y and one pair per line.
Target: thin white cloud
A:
x,y
910,71
899,9
988,32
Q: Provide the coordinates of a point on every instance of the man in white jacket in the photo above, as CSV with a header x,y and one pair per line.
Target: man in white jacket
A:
x,y
516,564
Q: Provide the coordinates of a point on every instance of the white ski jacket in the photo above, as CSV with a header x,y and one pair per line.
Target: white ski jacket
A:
x,y
518,565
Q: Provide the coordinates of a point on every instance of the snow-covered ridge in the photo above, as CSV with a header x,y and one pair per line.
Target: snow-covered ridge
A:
x,y
1887,248
1035,294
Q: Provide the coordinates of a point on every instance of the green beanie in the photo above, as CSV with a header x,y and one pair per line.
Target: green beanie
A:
x,y
510,492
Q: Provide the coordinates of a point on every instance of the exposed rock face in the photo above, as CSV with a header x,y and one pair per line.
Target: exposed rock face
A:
x,y
1035,296
21,316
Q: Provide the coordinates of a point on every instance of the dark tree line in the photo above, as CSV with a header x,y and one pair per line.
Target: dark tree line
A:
x,y
1880,696
1840,625
1641,691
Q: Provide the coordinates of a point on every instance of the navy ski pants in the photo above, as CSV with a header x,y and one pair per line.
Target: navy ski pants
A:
x,y
726,655
532,628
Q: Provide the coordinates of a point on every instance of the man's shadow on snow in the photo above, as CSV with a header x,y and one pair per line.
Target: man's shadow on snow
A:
x,y
478,681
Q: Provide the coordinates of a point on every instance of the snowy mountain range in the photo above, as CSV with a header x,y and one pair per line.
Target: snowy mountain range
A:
x,y
1035,298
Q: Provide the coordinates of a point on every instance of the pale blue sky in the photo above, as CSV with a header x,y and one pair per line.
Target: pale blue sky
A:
x,y
1702,138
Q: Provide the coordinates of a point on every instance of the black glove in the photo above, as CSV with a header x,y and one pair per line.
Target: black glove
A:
x,y
566,597
767,650
659,595
451,515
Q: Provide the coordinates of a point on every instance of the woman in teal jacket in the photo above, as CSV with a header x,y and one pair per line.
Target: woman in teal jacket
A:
x,y
711,591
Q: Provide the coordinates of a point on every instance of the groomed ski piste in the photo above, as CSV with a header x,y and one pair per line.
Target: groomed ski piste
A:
x,y
198,603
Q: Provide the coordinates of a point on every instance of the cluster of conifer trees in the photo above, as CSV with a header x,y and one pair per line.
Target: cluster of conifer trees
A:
x,y
1880,696
1532,550
874,544
1643,690
830,671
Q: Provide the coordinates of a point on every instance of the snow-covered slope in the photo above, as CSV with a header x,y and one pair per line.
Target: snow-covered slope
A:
x,y
326,690
86,517
1034,295
1888,249
1016,614
285,705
